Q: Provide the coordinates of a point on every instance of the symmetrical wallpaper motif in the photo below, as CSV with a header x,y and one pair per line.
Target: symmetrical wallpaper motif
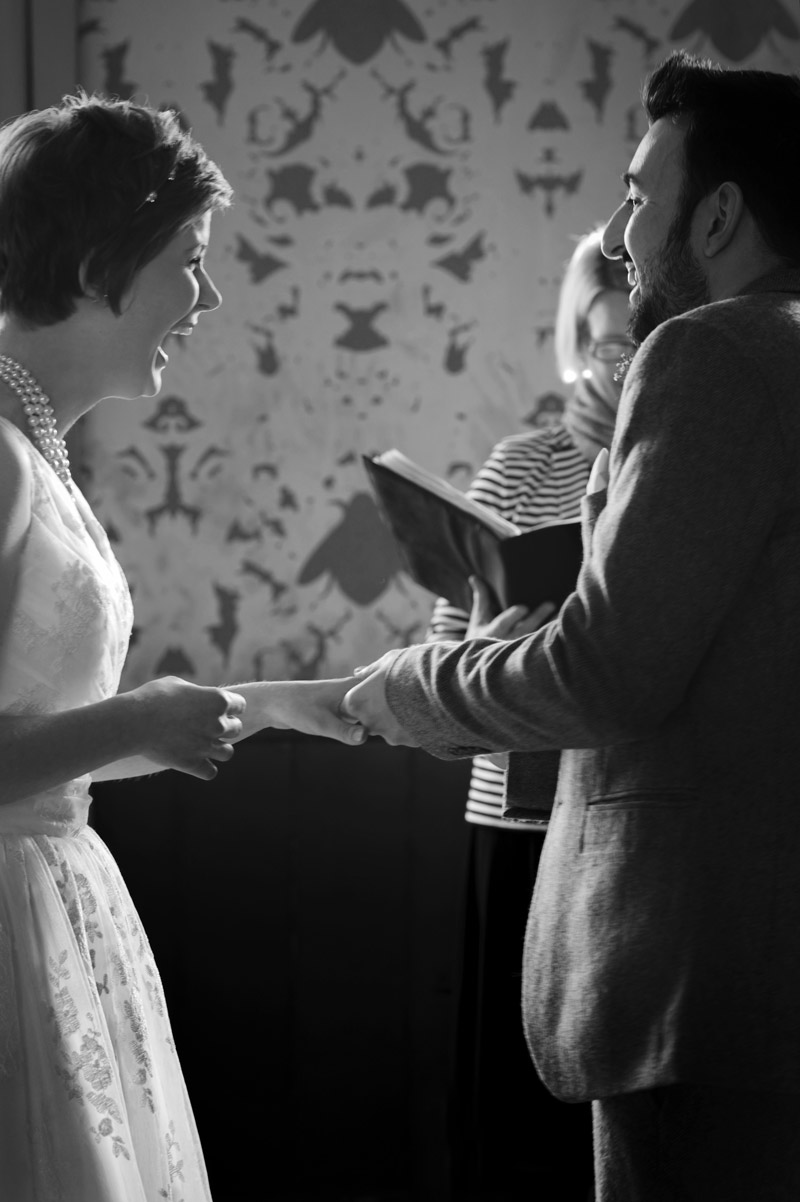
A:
x,y
409,177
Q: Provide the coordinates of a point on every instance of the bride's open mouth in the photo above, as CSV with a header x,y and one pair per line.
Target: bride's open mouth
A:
x,y
180,331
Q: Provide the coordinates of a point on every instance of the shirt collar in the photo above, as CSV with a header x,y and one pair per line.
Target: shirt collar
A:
x,y
779,279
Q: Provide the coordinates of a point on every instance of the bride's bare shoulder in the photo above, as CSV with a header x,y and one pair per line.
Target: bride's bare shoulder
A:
x,y
15,485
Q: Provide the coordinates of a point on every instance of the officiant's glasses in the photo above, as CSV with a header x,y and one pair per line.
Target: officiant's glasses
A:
x,y
609,350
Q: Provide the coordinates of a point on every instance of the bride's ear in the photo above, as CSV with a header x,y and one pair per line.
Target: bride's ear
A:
x,y
91,291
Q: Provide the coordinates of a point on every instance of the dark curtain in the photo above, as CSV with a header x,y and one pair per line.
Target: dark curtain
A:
x,y
38,65
38,53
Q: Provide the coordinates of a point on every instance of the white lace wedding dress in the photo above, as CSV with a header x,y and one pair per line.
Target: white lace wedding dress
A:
x,y
93,1106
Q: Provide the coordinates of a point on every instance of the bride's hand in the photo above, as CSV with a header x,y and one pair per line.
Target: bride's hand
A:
x,y
310,706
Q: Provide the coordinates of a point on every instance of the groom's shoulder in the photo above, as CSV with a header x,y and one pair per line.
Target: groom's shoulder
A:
x,y
729,327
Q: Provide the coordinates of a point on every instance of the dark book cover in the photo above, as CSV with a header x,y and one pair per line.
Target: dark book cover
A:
x,y
441,545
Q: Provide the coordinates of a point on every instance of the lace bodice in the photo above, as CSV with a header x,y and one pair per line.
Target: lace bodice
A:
x,y
69,632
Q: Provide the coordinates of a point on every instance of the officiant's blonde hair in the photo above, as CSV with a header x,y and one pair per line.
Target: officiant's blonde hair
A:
x,y
588,274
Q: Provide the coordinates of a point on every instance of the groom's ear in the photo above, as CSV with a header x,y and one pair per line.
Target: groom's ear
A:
x,y
719,215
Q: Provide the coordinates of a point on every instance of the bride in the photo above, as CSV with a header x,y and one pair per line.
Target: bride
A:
x,y
105,215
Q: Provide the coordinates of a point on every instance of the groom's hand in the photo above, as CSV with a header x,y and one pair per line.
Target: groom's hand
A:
x,y
311,706
366,703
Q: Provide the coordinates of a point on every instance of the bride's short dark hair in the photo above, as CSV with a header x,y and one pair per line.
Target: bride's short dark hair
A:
x,y
91,190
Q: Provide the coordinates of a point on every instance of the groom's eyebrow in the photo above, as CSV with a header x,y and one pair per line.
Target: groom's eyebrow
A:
x,y
629,178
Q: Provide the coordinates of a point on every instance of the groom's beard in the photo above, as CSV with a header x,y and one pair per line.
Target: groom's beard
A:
x,y
672,285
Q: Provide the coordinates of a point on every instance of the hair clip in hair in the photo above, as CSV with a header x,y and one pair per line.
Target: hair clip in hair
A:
x,y
152,197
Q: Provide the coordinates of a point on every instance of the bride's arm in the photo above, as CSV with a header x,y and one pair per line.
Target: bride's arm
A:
x,y
166,723
310,706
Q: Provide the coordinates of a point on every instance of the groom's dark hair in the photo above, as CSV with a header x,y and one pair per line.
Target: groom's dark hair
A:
x,y
741,126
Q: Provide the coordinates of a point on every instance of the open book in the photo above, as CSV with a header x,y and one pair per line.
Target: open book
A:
x,y
444,537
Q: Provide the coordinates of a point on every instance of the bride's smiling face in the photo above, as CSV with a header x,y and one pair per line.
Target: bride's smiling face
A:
x,y
167,297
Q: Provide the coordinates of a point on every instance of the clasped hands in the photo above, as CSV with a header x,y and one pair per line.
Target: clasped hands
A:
x,y
172,723
363,706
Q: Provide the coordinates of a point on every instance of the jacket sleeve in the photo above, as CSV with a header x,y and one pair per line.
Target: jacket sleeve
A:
x,y
697,472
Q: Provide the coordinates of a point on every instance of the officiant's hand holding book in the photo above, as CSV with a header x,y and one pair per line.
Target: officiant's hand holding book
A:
x,y
444,538
512,623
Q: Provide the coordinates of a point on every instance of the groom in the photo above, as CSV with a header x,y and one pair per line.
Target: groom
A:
x,y
662,962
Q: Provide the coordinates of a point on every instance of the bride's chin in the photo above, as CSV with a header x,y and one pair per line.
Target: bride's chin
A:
x,y
136,392
153,385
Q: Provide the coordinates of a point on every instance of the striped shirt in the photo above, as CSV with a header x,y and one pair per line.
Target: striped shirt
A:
x,y
532,478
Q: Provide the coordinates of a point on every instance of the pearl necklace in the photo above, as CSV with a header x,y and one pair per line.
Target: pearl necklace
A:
x,y
38,415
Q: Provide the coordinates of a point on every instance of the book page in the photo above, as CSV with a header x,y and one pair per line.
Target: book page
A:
x,y
397,462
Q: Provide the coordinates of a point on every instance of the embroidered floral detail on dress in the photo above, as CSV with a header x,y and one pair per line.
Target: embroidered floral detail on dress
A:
x,y
147,1093
86,1072
63,1011
120,969
105,1128
175,1166
79,902
133,1013
155,993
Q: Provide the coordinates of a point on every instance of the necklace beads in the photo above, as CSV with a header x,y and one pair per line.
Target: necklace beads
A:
x,y
39,416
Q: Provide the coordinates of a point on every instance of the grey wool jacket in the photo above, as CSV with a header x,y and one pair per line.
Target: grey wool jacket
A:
x,y
663,943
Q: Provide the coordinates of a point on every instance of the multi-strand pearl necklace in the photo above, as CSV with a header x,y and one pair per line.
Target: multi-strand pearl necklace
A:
x,y
38,415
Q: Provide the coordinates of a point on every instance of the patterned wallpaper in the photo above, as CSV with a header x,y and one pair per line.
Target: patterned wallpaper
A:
x,y
409,177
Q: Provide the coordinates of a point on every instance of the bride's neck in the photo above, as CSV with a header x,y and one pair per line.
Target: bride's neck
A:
x,y
53,356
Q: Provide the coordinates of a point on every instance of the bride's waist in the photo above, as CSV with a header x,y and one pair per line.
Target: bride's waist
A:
x,y
63,810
